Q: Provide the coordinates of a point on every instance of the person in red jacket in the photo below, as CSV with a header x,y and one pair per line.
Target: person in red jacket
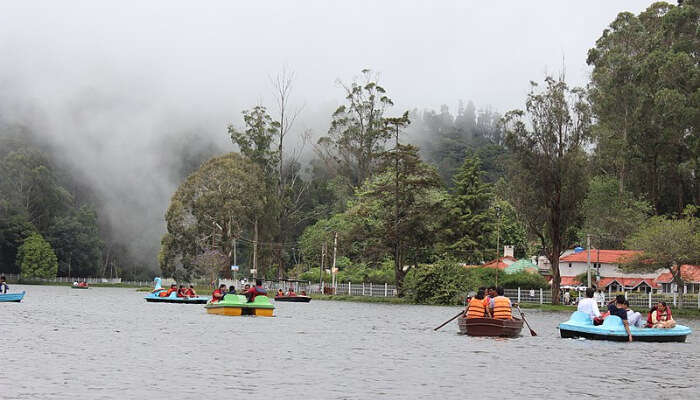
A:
x,y
254,291
190,292
218,293
182,291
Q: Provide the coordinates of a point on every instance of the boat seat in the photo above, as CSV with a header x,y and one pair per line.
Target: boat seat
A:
x,y
581,318
613,322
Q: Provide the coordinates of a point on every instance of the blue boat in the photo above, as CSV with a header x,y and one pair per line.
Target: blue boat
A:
x,y
580,325
15,297
155,296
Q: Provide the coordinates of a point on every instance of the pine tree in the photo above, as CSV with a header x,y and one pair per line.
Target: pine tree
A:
x,y
469,223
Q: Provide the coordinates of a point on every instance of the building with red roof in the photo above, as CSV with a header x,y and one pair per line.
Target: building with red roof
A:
x,y
690,275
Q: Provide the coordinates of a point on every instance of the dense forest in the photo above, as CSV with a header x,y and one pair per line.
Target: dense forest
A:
x,y
387,195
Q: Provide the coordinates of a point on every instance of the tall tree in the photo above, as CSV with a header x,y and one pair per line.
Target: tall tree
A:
x,y
468,223
644,91
548,176
358,129
401,220
217,204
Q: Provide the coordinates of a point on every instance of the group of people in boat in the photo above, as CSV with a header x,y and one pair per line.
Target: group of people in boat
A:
x,y
250,292
659,316
290,293
490,303
182,291
80,284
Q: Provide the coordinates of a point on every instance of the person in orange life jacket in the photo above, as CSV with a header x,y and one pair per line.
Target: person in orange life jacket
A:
x,y
218,294
254,291
190,292
619,307
476,308
166,293
660,317
182,291
488,295
279,293
291,293
303,292
501,305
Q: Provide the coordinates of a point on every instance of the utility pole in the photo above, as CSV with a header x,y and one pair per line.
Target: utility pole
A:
x,y
255,249
335,249
320,273
234,260
588,257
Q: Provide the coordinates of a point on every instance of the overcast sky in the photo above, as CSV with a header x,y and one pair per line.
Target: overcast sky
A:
x,y
216,56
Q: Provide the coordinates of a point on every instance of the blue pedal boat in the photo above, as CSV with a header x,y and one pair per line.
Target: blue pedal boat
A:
x,y
154,297
14,297
580,325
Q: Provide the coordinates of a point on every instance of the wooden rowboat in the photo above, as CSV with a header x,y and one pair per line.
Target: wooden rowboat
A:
x,y
490,327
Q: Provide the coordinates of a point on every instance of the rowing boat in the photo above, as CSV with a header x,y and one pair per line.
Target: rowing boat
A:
x,y
490,327
293,299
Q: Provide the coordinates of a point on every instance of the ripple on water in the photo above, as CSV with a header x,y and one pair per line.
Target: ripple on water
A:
x,y
113,344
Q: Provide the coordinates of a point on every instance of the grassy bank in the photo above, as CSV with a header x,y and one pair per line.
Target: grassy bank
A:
x,y
361,299
35,283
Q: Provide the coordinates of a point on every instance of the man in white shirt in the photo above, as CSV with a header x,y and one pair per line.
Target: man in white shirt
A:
x,y
589,305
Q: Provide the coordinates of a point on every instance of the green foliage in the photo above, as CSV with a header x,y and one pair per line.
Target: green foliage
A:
x,y
397,212
645,94
76,241
523,280
508,230
36,258
449,282
220,201
610,215
468,221
256,141
666,243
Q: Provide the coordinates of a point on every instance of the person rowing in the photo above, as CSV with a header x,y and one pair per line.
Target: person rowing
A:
x,y
218,294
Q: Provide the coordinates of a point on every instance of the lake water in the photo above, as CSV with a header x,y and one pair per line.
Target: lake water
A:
x,y
108,343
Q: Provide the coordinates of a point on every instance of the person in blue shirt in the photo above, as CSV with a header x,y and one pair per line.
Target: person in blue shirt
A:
x,y
619,307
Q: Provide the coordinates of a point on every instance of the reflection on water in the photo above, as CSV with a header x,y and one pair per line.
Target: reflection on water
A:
x,y
107,343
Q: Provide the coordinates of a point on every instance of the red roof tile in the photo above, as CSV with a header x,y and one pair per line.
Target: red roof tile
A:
x,y
689,273
628,283
569,281
499,263
601,256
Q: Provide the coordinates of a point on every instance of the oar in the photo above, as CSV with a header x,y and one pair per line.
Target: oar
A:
x,y
532,333
449,320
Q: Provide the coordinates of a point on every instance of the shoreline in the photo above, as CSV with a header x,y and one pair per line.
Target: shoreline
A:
x,y
690,313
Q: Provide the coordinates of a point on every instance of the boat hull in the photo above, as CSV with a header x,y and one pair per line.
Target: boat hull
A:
x,y
154,298
237,305
580,325
80,287
11,297
294,299
490,327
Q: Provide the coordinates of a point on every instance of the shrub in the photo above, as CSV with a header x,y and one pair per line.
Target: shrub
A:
x,y
36,258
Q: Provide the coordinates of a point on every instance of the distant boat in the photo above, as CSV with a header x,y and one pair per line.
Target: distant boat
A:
x,y
80,287
15,297
294,299
156,298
